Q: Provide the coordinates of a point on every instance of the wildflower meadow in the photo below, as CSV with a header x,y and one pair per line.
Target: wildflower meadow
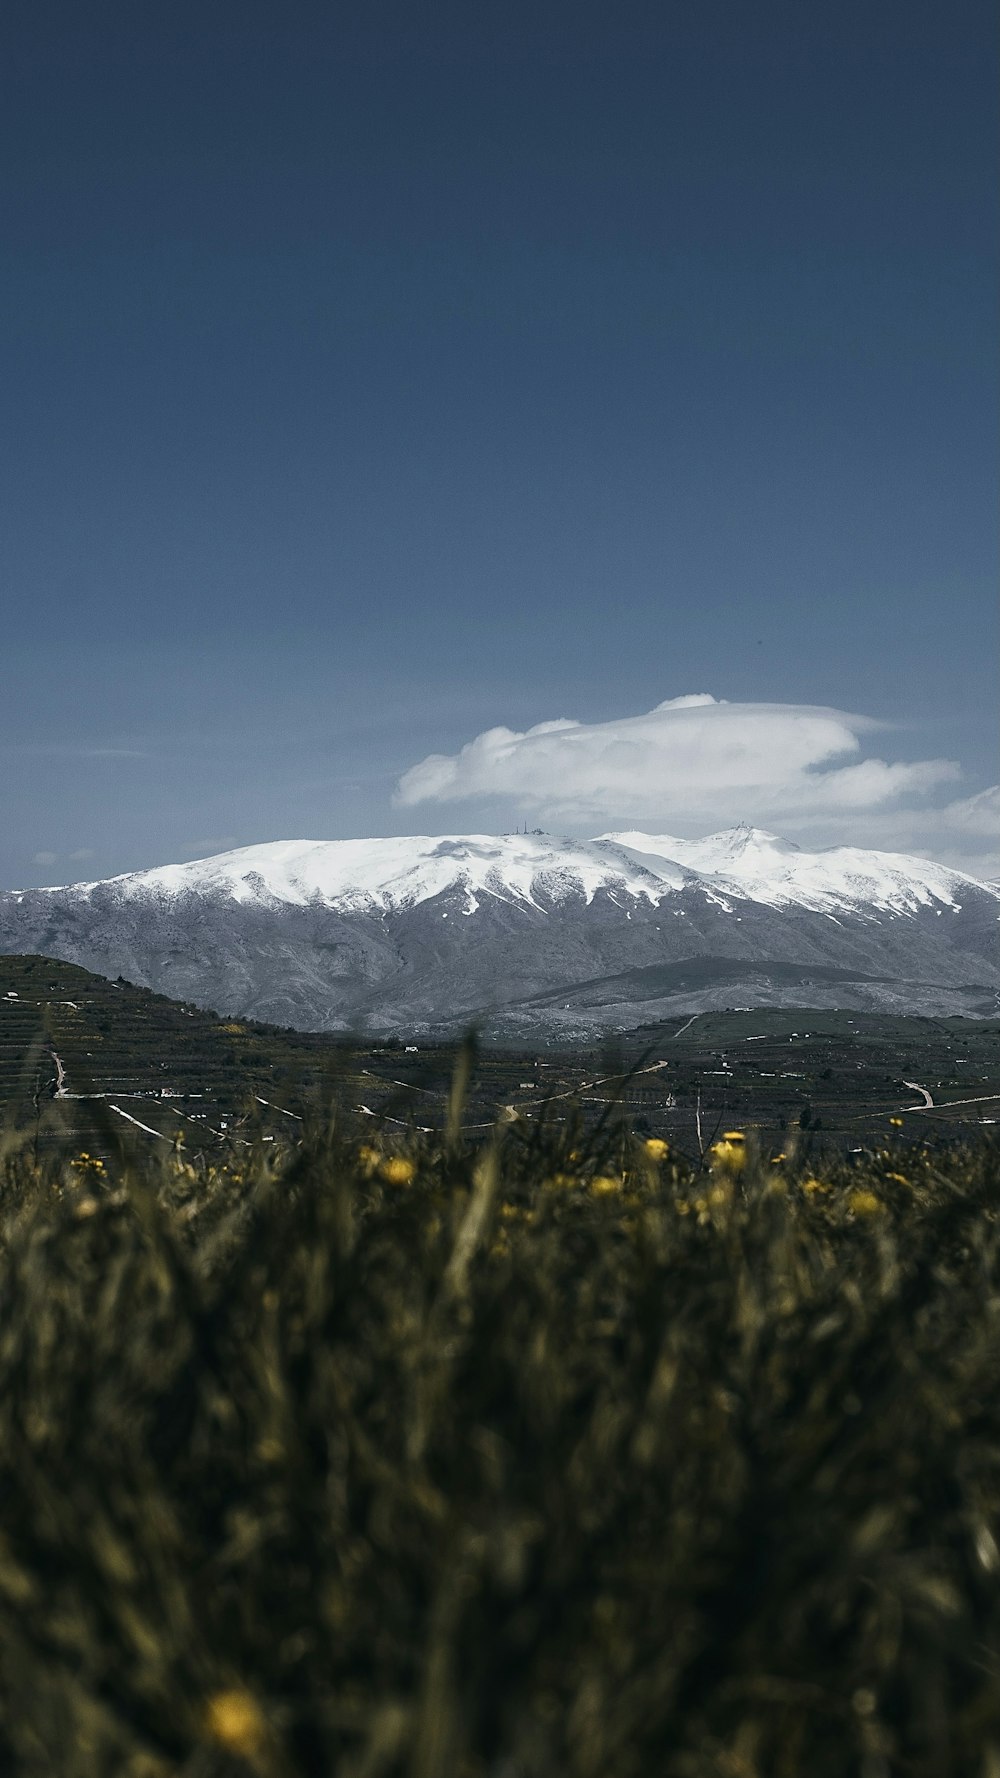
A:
x,y
555,1453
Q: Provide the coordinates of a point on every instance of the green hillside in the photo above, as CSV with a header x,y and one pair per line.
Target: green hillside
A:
x,y
156,1067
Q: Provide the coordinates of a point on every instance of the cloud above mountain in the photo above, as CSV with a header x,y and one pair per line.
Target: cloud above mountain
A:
x,y
698,762
691,758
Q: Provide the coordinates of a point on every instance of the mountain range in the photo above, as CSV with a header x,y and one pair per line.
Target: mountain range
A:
x,y
530,936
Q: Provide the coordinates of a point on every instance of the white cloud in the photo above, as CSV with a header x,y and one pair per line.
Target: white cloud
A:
x,y
976,816
692,759
970,833
695,764
964,834
45,857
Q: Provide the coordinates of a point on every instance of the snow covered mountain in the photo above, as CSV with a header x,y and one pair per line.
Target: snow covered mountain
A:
x,y
781,874
355,875
529,934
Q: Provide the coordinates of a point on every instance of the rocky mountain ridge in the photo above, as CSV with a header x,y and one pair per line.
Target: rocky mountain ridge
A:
x,y
530,935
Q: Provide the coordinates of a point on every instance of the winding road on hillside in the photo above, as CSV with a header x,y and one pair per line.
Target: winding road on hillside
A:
x,y
915,1087
59,1090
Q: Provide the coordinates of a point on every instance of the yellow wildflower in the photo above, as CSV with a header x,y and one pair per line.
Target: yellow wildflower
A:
x,y
656,1148
897,1122
730,1155
233,1720
395,1170
369,1159
603,1183
863,1203
87,1163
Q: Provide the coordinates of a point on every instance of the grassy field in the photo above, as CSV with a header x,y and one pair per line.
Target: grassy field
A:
x,y
538,1453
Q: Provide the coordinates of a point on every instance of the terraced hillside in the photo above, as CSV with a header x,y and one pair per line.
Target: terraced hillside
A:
x,y
839,1075
78,1052
80,1055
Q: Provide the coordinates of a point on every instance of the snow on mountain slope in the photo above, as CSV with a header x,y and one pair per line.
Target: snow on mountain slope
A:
x,y
563,935
397,873
773,871
539,870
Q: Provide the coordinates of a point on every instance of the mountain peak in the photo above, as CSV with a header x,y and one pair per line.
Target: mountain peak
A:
x,y
332,934
541,871
744,837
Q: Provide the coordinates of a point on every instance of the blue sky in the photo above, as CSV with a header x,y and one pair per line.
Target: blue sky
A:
x,y
378,377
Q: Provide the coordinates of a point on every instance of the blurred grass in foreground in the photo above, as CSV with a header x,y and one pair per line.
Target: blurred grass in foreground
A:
x,y
557,1456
